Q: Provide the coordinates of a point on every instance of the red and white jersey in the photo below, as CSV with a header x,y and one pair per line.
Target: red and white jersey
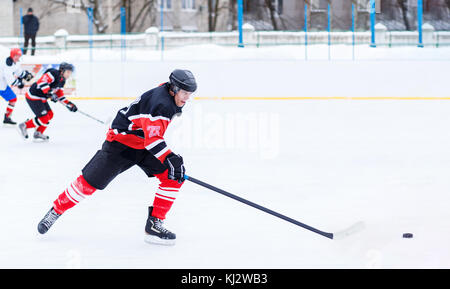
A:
x,y
143,123
50,82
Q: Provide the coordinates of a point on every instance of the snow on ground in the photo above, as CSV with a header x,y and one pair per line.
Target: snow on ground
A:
x,y
211,52
325,163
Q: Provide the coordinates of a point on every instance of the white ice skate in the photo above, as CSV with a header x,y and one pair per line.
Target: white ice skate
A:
x,y
39,137
22,129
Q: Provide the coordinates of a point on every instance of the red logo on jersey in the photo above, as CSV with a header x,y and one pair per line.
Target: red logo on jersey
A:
x,y
153,130
45,78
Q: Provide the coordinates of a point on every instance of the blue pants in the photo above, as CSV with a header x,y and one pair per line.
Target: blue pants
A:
x,y
7,94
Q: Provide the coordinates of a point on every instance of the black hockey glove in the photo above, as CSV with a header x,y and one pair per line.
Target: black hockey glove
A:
x,y
28,76
20,84
25,75
174,164
72,107
53,97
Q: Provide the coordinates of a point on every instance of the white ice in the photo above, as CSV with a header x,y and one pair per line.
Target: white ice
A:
x,y
327,163
338,162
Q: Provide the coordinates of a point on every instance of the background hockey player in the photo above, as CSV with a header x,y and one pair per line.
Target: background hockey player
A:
x,y
12,74
136,137
49,86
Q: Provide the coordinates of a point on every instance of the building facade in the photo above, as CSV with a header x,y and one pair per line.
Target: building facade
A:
x,y
394,14
178,15
220,15
6,18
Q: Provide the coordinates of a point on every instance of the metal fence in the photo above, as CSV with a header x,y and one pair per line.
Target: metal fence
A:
x,y
246,36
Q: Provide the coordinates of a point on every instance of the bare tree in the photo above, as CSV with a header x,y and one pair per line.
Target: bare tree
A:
x,y
216,8
213,10
232,6
404,7
272,12
49,8
147,9
99,18
136,22
355,3
265,12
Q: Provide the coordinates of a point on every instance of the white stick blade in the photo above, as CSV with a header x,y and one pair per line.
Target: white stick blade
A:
x,y
158,241
355,228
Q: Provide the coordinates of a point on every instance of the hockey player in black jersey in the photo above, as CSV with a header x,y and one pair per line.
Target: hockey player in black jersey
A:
x,y
136,137
49,86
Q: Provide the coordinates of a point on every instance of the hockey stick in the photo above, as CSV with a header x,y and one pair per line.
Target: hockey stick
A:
x,y
338,235
83,113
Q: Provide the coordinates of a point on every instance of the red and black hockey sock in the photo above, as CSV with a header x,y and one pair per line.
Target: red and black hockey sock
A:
x,y
165,195
73,194
80,189
42,128
10,107
30,123
40,122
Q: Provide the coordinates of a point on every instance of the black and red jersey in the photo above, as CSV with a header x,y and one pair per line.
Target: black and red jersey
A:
x,y
143,123
51,81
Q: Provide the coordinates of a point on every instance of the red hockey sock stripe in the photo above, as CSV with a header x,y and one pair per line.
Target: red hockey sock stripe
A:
x,y
166,192
82,186
41,129
63,203
30,123
161,207
165,197
75,193
10,107
70,196
168,189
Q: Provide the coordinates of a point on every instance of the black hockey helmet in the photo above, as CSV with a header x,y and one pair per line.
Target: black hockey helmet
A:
x,y
66,66
182,79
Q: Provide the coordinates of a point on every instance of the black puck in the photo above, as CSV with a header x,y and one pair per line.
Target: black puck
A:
x,y
407,235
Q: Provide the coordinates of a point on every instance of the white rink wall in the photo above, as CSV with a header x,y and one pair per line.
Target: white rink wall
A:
x,y
272,78
279,71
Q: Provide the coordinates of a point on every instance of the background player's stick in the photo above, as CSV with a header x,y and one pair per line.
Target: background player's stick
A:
x,y
85,114
337,235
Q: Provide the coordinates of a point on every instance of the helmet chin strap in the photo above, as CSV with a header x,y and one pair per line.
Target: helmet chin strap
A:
x,y
175,89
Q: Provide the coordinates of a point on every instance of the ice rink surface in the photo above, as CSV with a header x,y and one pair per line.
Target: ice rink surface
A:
x,y
327,163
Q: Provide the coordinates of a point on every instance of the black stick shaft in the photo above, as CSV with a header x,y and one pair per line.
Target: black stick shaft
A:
x,y
85,114
256,206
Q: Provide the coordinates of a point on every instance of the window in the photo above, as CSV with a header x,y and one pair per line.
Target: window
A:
x,y
319,5
377,6
188,4
73,6
364,6
167,4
